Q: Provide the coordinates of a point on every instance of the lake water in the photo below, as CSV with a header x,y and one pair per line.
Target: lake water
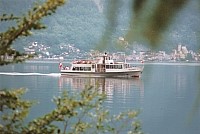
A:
x,y
167,94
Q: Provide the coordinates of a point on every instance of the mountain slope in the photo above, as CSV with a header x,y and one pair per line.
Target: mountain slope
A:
x,y
82,22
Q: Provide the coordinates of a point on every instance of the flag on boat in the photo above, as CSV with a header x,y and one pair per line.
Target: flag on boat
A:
x,y
60,65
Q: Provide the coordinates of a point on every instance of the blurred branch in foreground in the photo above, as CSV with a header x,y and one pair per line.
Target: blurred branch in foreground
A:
x,y
148,21
24,25
79,113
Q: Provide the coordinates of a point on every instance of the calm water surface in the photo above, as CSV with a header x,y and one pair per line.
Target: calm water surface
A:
x,y
168,95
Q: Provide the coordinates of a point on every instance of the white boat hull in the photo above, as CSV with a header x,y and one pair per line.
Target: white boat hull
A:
x,y
136,73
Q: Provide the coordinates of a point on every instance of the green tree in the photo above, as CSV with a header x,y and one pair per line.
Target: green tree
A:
x,y
24,25
81,113
149,20
88,102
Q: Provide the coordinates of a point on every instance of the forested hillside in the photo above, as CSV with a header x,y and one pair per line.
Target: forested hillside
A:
x,y
82,22
79,22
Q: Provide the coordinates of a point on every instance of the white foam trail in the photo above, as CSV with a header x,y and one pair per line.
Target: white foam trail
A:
x,y
54,74
30,74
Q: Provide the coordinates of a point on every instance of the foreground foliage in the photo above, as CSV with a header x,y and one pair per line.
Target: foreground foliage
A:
x,y
24,25
79,113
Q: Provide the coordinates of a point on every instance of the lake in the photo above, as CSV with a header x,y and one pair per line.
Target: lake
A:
x,y
167,94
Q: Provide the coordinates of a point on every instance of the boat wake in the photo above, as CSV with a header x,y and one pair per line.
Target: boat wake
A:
x,y
30,74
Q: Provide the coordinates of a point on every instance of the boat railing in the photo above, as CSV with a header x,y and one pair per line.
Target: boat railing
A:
x,y
83,62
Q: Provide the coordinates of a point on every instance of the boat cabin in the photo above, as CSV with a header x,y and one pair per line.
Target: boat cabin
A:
x,y
102,64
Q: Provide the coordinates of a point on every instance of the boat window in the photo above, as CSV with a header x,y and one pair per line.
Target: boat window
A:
x,y
127,65
87,68
76,68
81,68
119,66
93,66
107,67
111,66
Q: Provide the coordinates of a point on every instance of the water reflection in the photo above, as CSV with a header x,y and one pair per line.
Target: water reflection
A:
x,y
122,87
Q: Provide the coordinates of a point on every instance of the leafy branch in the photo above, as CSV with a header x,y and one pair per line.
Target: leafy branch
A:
x,y
79,113
24,25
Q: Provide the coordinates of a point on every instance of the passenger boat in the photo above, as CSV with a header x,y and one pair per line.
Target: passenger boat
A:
x,y
103,66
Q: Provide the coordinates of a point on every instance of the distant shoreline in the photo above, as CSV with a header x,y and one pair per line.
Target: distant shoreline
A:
x,y
131,62
47,61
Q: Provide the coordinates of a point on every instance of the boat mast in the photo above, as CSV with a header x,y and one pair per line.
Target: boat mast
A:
x,y
104,62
